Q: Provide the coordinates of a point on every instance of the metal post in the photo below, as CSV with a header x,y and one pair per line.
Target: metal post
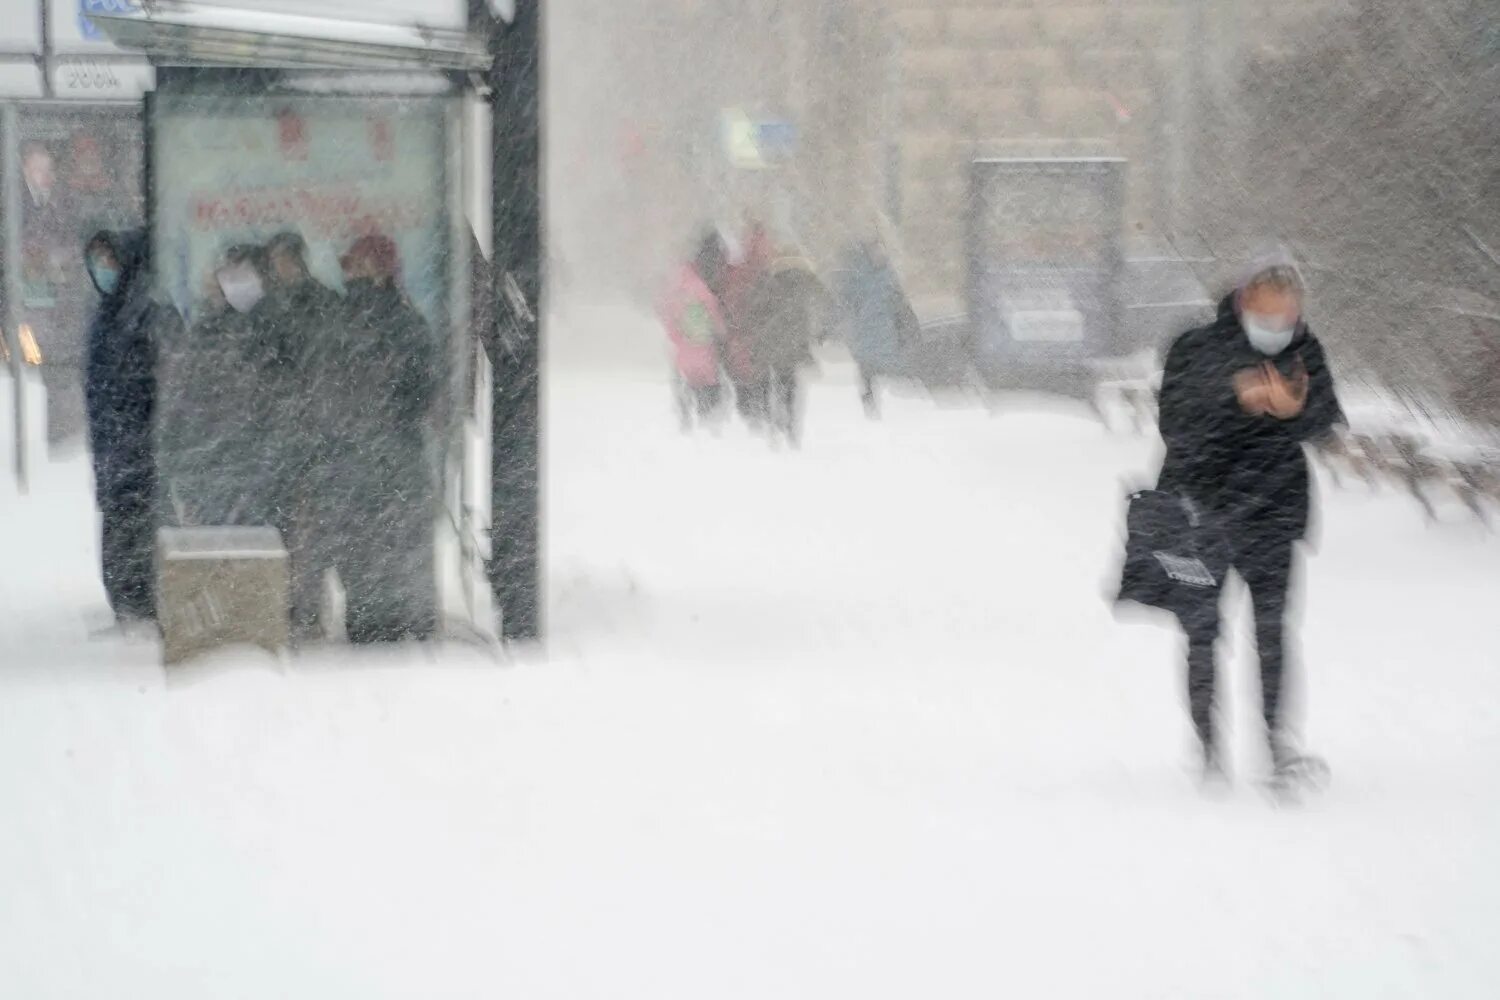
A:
x,y
45,60
515,348
11,195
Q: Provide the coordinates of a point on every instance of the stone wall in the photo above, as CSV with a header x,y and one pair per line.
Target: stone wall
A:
x,y
1134,78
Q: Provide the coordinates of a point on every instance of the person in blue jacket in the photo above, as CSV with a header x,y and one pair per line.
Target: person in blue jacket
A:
x,y
879,324
120,396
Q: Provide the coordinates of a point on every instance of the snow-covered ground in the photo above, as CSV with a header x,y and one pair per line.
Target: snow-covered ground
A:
x,y
849,721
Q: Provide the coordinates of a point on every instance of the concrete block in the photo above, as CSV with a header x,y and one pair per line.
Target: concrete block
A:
x,y
944,65
1074,25
218,586
925,150
1076,111
919,26
989,108
994,28
1038,66
1111,68
895,5
922,102
1152,25
937,202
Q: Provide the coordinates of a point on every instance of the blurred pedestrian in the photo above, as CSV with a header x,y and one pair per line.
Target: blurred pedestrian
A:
x,y
1239,397
695,327
120,396
296,323
744,269
214,423
378,493
878,322
782,316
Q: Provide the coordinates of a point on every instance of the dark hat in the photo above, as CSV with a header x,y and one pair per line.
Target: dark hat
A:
x,y
379,251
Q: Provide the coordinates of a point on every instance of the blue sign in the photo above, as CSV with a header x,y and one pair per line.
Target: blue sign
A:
x,y
87,28
776,138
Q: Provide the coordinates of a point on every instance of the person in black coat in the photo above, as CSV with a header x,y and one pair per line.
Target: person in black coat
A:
x,y
120,398
294,325
212,447
383,387
1239,397
782,312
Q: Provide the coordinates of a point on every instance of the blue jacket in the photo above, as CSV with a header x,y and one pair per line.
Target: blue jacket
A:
x,y
120,373
878,323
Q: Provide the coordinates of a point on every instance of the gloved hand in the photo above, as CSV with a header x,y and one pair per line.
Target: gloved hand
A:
x,y
1264,391
1285,397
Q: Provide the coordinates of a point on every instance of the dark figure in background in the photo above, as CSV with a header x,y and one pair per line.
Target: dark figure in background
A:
x,y
782,315
378,482
1238,399
738,276
298,318
120,395
878,323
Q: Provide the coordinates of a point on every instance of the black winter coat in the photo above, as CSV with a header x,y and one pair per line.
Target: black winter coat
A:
x,y
215,423
1251,471
781,315
120,374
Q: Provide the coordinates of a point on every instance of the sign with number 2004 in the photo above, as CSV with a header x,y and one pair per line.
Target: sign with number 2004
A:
x,y
87,75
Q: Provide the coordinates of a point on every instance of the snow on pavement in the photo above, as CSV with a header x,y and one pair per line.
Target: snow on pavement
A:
x,y
846,721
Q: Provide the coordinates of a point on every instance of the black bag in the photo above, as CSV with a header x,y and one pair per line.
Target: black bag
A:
x,y
1175,555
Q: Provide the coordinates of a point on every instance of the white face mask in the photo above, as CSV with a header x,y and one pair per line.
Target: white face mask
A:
x,y
242,287
1264,335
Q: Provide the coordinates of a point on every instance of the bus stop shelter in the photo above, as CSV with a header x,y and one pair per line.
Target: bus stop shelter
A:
x,y
264,123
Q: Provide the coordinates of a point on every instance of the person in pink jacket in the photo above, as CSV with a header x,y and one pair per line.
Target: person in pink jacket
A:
x,y
695,328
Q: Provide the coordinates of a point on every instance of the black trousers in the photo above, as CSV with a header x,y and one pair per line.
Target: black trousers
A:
x,y
782,399
1266,569
126,545
867,395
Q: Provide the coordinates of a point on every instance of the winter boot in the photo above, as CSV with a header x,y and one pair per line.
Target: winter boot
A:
x,y
1214,772
1294,772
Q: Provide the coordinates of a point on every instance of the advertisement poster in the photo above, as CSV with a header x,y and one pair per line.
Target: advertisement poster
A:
x,y
1045,255
80,172
241,170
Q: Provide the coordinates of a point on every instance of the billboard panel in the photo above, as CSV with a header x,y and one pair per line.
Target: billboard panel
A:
x,y
80,171
1045,257
236,169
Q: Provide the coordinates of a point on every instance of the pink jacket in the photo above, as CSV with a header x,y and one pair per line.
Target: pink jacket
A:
x,y
695,326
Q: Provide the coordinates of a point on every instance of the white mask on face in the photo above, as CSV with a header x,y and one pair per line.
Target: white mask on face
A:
x,y
1264,334
242,287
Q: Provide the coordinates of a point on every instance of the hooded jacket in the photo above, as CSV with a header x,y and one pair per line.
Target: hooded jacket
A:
x,y
120,368
695,327
1250,470
878,319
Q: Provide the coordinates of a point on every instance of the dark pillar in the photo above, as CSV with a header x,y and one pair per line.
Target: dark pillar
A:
x,y
515,348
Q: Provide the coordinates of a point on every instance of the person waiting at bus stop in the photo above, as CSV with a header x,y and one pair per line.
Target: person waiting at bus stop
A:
x,y
120,399
298,315
376,494
215,460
